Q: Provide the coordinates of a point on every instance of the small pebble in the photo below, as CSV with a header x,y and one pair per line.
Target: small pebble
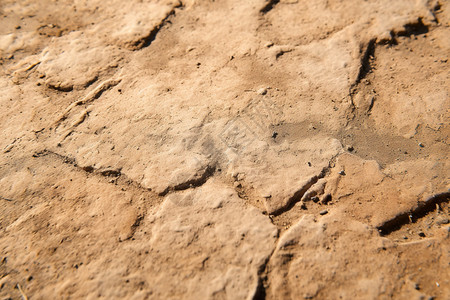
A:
x,y
274,134
342,172
350,148
326,199
421,145
323,212
262,91
421,234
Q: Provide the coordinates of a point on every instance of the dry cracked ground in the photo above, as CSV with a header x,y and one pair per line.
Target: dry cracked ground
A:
x,y
201,149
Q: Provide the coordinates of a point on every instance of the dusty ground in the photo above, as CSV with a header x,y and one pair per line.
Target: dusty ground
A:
x,y
225,149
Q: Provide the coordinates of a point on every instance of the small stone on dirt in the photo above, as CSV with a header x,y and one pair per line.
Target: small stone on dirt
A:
x,y
262,91
323,212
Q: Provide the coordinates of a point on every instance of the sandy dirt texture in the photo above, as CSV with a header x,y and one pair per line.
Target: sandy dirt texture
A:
x,y
224,149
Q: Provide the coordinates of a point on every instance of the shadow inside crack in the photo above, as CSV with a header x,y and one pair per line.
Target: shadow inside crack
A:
x,y
421,211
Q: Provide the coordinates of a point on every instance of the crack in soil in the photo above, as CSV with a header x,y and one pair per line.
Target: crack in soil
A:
x,y
263,273
366,66
73,162
364,69
147,40
302,191
192,183
6,199
113,174
91,96
423,208
414,28
269,6
116,174
260,293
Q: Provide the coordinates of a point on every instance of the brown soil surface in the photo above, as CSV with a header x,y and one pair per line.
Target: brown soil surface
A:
x,y
224,149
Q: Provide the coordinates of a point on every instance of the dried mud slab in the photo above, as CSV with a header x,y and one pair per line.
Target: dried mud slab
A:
x,y
226,249
323,258
224,149
206,235
378,195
